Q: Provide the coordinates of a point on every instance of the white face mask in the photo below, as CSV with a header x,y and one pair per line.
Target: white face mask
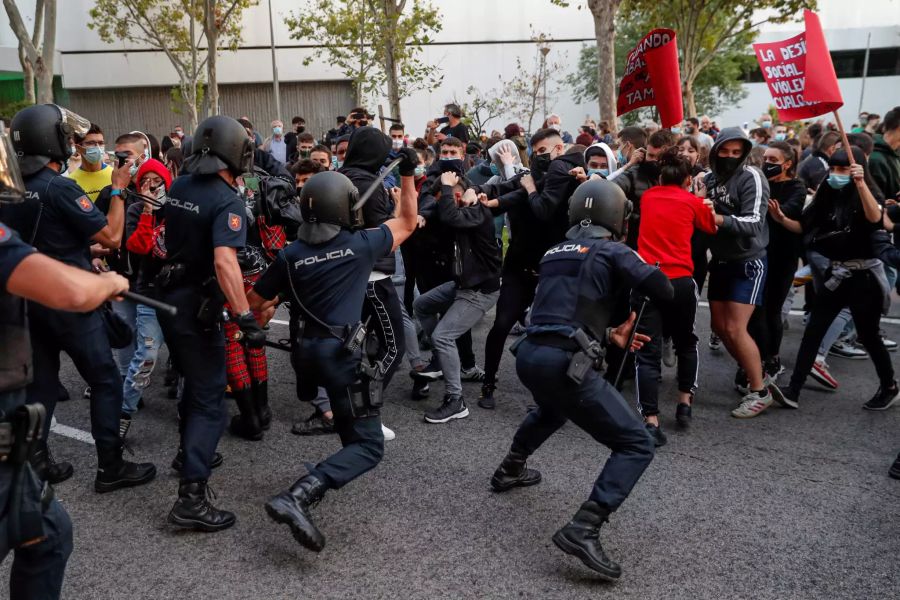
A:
x,y
396,144
555,126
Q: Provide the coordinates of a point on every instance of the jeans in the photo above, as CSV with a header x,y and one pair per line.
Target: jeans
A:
x,y
461,310
149,339
842,326
413,353
595,406
127,309
677,319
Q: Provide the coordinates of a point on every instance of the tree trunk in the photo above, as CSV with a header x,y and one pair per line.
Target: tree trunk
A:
x,y
44,66
690,102
604,12
27,76
212,43
390,15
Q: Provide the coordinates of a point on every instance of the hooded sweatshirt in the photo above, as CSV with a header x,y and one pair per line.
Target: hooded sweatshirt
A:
x,y
366,153
610,156
884,165
742,198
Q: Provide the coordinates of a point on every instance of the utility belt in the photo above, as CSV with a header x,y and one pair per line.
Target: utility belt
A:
x,y
26,503
587,353
212,300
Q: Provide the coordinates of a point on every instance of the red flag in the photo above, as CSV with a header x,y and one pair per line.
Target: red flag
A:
x,y
652,78
800,74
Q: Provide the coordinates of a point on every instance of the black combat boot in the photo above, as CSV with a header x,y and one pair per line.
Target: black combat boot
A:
x,y
48,469
114,473
512,472
178,461
291,507
261,402
193,510
246,424
581,538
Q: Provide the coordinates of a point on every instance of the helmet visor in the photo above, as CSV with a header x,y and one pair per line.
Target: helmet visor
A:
x,y
12,189
73,124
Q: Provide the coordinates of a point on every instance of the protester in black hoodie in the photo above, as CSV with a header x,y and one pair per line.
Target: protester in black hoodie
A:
x,y
365,157
473,291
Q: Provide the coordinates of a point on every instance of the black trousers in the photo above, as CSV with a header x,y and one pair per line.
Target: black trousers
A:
x,y
766,327
516,295
677,320
700,258
862,294
429,277
382,309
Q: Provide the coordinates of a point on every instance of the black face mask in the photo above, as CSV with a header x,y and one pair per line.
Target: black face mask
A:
x,y
539,164
727,166
300,128
452,164
771,170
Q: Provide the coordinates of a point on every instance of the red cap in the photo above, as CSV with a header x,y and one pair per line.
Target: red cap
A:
x,y
154,166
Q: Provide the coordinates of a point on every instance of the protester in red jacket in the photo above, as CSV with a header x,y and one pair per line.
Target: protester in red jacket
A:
x,y
669,216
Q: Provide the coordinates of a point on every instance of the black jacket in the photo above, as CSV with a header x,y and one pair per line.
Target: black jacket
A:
x,y
477,257
813,169
784,244
366,153
550,203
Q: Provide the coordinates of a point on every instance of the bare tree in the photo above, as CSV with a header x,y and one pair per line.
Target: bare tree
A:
x,y
604,13
221,20
37,60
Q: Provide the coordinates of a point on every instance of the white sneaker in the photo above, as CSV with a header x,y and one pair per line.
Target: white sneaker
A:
x,y
752,405
668,353
845,349
388,433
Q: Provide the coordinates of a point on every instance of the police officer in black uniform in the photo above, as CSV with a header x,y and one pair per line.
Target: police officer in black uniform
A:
x,y
205,228
61,222
577,287
32,523
324,274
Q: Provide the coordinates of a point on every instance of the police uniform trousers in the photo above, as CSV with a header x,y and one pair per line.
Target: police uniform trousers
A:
x,y
595,406
324,362
199,355
38,569
83,337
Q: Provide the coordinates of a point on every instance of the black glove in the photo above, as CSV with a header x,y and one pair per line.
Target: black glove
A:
x,y
252,335
409,162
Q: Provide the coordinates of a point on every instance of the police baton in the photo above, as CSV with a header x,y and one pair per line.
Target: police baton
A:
x,y
384,173
154,304
631,337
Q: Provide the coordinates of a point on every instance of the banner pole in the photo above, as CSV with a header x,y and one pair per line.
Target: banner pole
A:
x,y
840,125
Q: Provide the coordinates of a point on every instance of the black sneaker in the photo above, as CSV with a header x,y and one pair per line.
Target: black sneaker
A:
x,y
178,461
741,383
86,394
420,389
683,415
430,372
659,438
316,424
895,468
773,368
486,400
883,398
453,407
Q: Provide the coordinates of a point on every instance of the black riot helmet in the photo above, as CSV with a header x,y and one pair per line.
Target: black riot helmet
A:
x,y
12,189
326,203
220,142
598,208
43,133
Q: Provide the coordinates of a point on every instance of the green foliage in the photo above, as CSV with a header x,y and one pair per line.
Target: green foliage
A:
x,y
481,108
356,36
177,101
524,94
8,110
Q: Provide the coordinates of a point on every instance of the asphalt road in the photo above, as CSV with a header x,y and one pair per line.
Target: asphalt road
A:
x,y
792,504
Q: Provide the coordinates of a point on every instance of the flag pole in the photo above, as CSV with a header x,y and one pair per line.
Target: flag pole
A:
x,y
840,126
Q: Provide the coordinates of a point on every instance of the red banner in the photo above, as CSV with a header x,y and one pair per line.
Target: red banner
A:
x,y
800,74
652,78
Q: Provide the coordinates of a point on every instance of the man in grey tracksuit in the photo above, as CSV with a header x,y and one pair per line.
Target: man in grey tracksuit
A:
x,y
739,196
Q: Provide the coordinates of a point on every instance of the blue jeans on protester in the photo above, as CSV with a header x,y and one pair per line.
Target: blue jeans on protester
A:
x,y
148,339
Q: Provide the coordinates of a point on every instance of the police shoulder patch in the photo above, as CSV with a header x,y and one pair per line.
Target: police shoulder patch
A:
x,y
85,204
234,222
5,233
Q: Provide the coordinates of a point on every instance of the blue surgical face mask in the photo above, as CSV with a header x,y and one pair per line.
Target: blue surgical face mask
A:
x,y
838,181
276,130
133,169
94,154
676,130
780,137
494,169
334,163
602,172
620,158
420,170
766,124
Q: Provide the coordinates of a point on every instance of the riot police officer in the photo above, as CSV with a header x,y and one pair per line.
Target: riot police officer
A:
x,y
577,287
205,228
61,222
324,274
32,523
